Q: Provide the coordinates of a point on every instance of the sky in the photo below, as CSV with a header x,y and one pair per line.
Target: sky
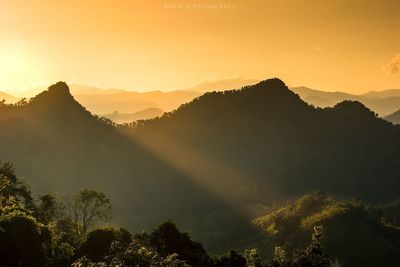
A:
x,y
143,45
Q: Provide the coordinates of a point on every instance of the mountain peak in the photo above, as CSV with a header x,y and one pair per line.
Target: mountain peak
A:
x,y
353,107
59,88
275,94
57,99
57,93
273,87
274,83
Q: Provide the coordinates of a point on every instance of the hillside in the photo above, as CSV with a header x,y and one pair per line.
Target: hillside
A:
x,y
352,233
222,151
394,117
259,136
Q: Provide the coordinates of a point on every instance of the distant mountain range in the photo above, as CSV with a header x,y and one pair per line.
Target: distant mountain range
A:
x,y
394,117
130,117
105,101
382,102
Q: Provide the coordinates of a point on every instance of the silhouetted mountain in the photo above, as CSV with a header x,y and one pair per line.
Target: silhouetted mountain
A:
x,y
145,114
394,117
53,132
223,150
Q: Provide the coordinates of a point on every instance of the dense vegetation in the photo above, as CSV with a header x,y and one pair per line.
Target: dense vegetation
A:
x,y
356,234
50,231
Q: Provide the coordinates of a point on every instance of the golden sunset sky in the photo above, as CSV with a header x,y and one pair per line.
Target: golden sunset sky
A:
x,y
337,45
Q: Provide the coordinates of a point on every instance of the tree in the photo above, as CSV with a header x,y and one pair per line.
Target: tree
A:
x,y
49,208
85,209
167,240
12,186
98,242
313,255
233,259
23,241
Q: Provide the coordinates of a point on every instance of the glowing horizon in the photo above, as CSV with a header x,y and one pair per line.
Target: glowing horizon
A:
x,y
350,46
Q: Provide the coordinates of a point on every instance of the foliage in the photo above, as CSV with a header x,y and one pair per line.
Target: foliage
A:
x,y
351,229
23,241
85,209
98,242
12,186
167,239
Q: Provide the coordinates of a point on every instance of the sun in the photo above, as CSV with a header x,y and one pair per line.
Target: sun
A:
x,y
18,70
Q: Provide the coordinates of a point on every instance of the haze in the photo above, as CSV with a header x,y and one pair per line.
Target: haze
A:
x,y
334,45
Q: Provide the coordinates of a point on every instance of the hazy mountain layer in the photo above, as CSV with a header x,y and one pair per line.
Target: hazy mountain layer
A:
x,y
394,117
382,102
8,98
145,114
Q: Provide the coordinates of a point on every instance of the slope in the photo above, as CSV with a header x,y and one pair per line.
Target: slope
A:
x,y
352,234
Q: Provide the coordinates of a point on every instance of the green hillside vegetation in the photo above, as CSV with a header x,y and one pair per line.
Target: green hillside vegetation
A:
x,y
356,235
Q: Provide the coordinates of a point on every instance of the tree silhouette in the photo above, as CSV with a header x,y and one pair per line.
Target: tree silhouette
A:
x,y
85,209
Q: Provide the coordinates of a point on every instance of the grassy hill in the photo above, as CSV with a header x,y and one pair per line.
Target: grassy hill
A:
x,y
352,234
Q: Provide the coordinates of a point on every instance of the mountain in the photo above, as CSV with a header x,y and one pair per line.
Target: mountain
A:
x,y
105,101
260,135
394,117
321,98
353,234
381,102
223,151
382,94
79,150
8,98
145,114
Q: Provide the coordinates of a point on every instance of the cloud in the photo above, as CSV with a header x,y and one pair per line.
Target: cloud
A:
x,y
393,66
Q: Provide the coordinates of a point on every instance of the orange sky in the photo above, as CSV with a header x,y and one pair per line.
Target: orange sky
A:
x,y
163,45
